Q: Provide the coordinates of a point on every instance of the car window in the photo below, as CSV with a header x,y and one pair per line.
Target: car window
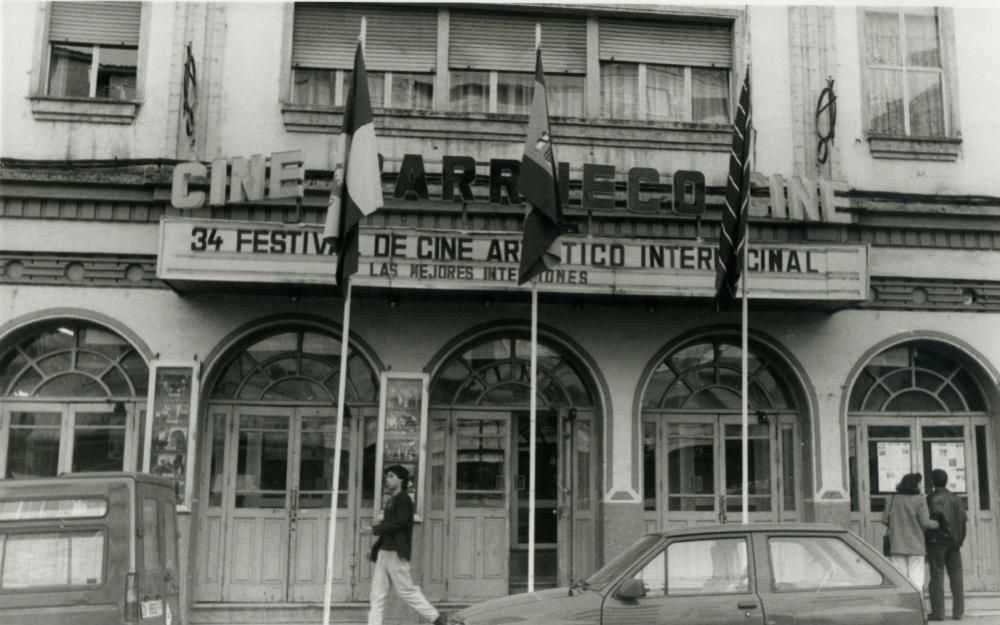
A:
x,y
150,534
32,561
698,567
817,563
625,560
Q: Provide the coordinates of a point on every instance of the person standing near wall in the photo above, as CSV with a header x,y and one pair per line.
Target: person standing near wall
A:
x,y
391,552
944,546
908,518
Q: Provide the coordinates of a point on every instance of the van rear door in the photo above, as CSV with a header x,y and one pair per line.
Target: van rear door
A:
x,y
156,556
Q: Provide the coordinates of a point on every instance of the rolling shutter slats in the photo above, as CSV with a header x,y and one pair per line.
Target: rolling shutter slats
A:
x,y
698,45
505,42
397,39
102,23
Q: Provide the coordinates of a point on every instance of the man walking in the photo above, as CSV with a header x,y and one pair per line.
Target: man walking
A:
x,y
944,546
391,552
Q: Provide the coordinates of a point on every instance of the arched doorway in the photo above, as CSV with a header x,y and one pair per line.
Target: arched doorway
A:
x,y
267,468
72,399
691,436
479,445
915,407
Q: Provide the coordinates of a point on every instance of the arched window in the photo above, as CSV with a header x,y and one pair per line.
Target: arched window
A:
x,y
706,375
295,365
916,377
73,359
497,372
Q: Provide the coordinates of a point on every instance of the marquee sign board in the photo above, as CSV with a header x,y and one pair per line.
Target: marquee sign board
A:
x,y
408,258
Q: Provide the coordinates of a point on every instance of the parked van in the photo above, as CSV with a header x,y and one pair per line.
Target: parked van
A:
x,y
89,549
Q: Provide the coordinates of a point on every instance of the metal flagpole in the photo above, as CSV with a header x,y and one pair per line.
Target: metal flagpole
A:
x,y
342,385
744,329
532,439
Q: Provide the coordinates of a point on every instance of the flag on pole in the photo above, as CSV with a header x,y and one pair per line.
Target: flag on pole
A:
x,y
539,185
733,238
357,183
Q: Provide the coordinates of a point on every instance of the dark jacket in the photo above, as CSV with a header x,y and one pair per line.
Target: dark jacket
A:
x,y
395,532
948,509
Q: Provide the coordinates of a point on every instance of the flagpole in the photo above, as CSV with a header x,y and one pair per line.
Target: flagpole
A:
x,y
745,434
532,438
338,444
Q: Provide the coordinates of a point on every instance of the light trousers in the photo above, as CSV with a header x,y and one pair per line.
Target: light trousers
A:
x,y
392,571
910,566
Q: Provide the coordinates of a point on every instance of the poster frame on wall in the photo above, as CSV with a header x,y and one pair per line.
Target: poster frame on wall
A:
x,y
390,411
192,370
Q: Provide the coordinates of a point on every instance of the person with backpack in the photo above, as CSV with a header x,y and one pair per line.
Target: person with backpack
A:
x,y
944,546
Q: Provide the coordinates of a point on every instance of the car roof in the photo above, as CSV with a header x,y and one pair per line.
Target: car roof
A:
x,y
733,528
109,476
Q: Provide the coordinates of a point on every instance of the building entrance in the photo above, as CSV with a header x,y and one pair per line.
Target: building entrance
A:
x,y
268,443
881,450
692,437
915,408
479,449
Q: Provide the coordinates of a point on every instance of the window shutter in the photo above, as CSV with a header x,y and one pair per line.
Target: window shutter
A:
x,y
505,42
666,43
396,38
102,23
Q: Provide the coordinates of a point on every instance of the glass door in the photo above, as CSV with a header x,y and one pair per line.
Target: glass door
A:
x,y
548,500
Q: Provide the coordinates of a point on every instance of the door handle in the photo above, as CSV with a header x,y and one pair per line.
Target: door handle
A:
x,y
747,605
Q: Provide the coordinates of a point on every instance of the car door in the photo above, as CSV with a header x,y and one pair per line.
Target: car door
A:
x,y
690,580
815,578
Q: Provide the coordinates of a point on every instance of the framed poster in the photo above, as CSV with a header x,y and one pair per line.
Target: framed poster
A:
x,y
893,464
170,424
402,433
950,456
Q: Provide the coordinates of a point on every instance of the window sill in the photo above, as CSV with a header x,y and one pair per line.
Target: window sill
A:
x,y
87,110
915,148
499,127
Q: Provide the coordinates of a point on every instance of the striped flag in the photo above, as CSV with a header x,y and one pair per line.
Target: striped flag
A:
x,y
733,238
538,184
357,182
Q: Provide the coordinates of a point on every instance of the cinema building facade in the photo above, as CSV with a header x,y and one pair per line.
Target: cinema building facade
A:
x,y
167,303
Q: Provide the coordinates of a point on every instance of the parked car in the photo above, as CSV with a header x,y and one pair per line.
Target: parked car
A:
x,y
784,573
89,549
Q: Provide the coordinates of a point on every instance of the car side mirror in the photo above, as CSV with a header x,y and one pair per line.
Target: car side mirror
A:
x,y
632,589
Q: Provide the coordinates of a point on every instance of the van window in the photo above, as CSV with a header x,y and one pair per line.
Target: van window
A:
x,y
150,534
37,509
31,561
169,537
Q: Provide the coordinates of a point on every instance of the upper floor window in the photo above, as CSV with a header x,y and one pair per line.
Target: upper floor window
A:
x,y
93,50
665,72
400,54
905,72
491,60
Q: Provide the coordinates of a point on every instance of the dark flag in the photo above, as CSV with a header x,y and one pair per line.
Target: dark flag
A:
x,y
357,183
544,223
733,238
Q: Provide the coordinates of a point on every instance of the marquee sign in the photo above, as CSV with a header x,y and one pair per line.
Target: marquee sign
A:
x,y
222,251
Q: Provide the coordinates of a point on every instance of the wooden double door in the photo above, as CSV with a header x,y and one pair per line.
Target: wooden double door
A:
x,y
479,501
881,449
265,505
692,469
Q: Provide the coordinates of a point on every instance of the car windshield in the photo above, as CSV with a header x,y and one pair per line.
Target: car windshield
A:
x,y
610,571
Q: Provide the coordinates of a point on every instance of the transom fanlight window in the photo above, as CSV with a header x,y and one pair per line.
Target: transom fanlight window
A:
x,y
496,372
295,366
73,359
917,377
707,376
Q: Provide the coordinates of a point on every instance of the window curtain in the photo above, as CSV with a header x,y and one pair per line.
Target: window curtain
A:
x,y
619,89
664,93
